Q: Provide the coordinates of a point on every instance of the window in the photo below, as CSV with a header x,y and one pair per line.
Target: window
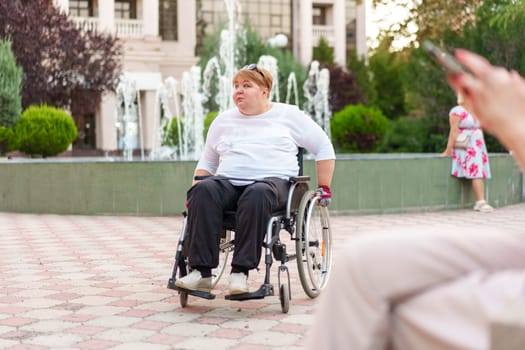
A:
x,y
266,17
319,15
125,9
80,8
168,19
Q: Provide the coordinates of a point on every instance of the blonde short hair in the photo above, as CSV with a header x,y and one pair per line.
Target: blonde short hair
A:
x,y
259,75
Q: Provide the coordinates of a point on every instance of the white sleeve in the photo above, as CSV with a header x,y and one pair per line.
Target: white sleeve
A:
x,y
313,138
209,159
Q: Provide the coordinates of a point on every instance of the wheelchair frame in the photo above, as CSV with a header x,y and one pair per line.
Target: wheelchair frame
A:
x,y
313,249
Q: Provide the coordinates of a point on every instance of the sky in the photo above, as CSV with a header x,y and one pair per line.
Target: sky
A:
x,y
381,18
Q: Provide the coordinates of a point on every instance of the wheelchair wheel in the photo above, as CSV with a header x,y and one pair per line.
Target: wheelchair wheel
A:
x,y
284,297
313,244
225,246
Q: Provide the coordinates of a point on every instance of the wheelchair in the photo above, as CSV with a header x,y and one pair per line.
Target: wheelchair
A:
x,y
308,225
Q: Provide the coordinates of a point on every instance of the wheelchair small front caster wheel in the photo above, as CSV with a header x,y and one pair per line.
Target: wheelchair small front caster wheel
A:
x,y
183,299
284,296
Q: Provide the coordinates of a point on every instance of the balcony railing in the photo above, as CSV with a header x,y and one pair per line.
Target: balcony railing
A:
x,y
86,24
327,32
129,28
124,28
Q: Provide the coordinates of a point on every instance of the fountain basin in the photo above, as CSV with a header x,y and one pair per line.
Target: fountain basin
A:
x,y
362,184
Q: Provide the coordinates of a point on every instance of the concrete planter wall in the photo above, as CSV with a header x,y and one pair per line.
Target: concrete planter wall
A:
x,y
363,184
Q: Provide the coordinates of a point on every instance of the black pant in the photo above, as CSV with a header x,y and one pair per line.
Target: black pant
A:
x,y
254,205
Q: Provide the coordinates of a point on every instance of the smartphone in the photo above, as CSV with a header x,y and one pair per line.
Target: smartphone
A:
x,y
444,58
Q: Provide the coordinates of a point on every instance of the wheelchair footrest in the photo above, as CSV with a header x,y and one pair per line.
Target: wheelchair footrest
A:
x,y
171,284
263,291
195,293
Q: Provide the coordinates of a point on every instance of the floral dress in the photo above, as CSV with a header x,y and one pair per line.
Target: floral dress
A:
x,y
472,162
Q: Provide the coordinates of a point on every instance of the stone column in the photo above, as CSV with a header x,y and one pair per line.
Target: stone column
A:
x,y
305,32
150,17
339,14
186,19
106,15
106,132
360,30
150,120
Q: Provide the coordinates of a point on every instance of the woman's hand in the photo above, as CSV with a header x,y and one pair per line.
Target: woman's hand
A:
x,y
493,94
496,96
447,153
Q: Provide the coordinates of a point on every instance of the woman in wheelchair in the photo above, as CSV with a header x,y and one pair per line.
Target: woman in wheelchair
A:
x,y
249,156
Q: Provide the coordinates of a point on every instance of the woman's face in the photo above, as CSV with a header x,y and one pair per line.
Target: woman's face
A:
x,y
250,98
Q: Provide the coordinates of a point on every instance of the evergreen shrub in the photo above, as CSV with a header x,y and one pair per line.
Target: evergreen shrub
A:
x,y
44,130
10,86
358,128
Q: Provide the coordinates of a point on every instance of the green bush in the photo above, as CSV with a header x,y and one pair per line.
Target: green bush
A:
x,y
405,135
10,86
44,130
358,128
6,136
324,53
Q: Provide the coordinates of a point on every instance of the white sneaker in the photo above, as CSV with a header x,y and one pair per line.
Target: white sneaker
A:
x,y
238,283
194,281
483,207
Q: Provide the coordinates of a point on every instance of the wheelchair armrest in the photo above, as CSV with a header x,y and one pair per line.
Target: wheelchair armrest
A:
x,y
200,177
300,179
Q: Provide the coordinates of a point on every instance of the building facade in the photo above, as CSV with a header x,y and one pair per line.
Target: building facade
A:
x,y
161,39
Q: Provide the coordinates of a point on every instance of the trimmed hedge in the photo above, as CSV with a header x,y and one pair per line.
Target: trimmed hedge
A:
x,y
358,128
44,130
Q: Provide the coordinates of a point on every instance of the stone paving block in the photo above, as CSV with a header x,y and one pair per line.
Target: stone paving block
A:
x,y
48,326
94,300
141,346
274,339
5,343
111,321
103,310
45,314
56,340
125,334
250,324
205,343
196,330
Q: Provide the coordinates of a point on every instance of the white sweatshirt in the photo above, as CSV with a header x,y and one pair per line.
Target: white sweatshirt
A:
x,y
264,145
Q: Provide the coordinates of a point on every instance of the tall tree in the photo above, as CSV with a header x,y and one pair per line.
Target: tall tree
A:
x,y
63,66
429,18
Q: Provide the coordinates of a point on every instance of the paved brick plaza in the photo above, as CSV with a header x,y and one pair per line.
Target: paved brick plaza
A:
x,y
99,282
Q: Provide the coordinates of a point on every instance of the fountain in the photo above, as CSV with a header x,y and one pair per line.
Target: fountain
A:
x,y
129,121
220,70
316,91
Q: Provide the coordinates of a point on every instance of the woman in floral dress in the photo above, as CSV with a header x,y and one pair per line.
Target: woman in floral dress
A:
x,y
472,162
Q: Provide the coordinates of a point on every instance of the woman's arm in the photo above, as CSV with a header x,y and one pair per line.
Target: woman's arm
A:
x,y
453,120
325,171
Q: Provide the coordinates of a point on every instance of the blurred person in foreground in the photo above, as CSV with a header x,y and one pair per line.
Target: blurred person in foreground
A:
x,y
433,288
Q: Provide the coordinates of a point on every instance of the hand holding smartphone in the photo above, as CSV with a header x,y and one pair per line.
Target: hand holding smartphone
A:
x,y
445,59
